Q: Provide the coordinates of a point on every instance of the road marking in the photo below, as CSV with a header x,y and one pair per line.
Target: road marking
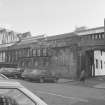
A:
x,y
73,98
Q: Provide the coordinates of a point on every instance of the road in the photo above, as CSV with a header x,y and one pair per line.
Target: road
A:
x,y
66,94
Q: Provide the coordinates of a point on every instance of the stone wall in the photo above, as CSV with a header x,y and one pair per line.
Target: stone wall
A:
x,y
64,62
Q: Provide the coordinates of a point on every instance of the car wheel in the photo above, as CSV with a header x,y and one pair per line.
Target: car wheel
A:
x,y
41,80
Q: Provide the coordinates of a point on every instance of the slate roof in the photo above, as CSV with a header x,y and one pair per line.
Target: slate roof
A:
x,y
25,43
35,42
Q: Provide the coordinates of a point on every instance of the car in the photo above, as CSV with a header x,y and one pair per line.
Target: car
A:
x,y
11,72
13,92
3,76
39,75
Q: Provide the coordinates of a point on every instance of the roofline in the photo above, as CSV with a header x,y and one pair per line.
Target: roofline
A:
x,y
101,27
59,36
91,31
63,33
33,37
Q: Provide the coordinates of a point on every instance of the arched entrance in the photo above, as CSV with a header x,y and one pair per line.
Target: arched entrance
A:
x,y
87,62
93,62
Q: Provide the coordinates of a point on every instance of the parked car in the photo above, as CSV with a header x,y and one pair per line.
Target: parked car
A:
x,y
39,75
3,76
11,72
13,93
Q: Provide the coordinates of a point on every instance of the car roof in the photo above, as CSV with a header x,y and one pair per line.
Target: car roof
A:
x,y
8,83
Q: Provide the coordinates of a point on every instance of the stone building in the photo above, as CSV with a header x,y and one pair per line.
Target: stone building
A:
x,y
7,39
56,53
64,59
92,51
65,55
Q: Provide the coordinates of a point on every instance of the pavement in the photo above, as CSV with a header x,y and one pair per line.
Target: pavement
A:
x,y
100,83
65,80
95,82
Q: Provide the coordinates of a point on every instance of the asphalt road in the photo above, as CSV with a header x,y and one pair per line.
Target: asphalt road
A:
x,y
66,94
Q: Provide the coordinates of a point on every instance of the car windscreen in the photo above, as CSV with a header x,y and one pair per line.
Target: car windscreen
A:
x,y
17,95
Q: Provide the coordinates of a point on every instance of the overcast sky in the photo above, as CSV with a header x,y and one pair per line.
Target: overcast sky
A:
x,y
51,17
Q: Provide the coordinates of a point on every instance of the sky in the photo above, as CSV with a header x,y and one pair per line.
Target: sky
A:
x,y
51,17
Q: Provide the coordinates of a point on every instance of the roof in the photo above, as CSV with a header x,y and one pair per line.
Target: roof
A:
x,y
6,46
31,40
9,83
28,42
34,42
90,31
101,27
62,36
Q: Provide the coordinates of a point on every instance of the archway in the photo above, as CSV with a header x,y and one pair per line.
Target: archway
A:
x,y
93,62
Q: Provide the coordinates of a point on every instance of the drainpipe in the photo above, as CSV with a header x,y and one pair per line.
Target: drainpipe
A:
x,y
104,31
104,28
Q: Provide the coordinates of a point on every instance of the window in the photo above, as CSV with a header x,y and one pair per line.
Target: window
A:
x,y
103,35
93,36
28,52
38,52
101,52
101,64
96,36
41,52
99,36
44,52
97,63
34,52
